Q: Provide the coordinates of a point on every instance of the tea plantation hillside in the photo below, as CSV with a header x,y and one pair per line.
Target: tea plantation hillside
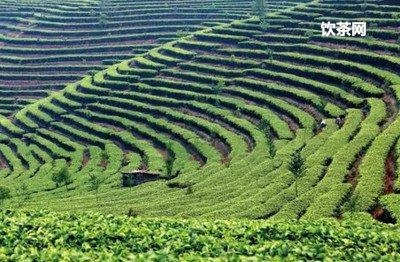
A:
x,y
46,44
217,111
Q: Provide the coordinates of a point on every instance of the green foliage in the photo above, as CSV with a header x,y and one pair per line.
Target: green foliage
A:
x,y
218,87
265,127
308,34
364,6
104,8
391,202
169,162
131,213
373,25
259,8
181,33
64,236
24,193
271,147
62,177
296,164
372,168
199,98
296,167
5,193
396,15
264,24
270,54
322,105
94,182
189,189
352,205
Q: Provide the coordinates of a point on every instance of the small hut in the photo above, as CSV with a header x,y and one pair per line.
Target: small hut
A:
x,y
137,177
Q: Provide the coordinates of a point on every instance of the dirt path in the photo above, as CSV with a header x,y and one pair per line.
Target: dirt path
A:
x,y
353,175
390,172
85,158
391,110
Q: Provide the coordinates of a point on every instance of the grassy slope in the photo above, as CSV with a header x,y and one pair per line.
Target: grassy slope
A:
x,y
235,192
112,198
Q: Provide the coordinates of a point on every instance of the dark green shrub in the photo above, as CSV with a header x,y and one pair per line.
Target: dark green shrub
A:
x,y
62,177
296,167
5,193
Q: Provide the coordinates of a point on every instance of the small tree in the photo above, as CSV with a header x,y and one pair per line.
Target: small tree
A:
x,y
270,54
94,184
127,181
5,193
322,104
62,177
217,88
232,58
237,112
169,163
217,102
103,5
296,167
308,34
103,19
271,147
259,8
264,25
181,33
23,189
265,127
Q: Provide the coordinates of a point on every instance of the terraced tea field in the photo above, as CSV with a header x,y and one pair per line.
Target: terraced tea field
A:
x,y
209,97
47,44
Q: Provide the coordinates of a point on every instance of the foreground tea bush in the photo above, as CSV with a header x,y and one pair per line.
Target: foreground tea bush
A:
x,y
45,236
